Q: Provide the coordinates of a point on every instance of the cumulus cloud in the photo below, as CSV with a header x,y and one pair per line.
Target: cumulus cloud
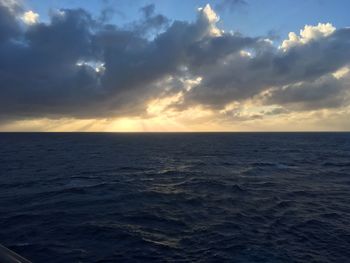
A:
x,y
307,34
238,76
48,69
76,66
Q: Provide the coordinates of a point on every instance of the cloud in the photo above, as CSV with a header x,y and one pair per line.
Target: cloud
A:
x,y
150,21
76,66
308,34
231,5
209,18
325,92
238,76
48,69
8,24
30,18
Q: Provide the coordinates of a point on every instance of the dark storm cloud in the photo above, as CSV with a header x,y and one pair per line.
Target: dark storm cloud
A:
x,y
325,92
49,68
150,21
78,66
39,75
8,24
241,77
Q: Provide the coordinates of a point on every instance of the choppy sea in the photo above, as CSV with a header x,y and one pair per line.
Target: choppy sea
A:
x,y
167,197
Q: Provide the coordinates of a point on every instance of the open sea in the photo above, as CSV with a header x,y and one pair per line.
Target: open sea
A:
x,y
167,197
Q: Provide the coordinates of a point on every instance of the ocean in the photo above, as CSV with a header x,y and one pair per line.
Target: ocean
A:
x,y
176,197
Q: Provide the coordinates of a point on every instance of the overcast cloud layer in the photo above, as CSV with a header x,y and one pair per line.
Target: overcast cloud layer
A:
x,y
80,66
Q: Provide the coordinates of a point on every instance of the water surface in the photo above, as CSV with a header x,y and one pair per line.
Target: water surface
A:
x,y
224,197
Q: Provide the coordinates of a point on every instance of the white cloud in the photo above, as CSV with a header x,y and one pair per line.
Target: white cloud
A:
x,y
245,53
209,14
30,18
341,73
307,34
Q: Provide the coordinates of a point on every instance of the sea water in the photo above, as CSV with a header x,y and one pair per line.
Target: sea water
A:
x,y
168,197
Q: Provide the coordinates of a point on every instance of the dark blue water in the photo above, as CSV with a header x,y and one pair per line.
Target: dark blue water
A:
x,y
268,197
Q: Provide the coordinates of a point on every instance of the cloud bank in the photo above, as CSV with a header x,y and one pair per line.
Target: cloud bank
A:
x,y
78,66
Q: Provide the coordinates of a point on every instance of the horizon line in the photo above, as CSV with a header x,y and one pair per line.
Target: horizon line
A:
x,y
145,132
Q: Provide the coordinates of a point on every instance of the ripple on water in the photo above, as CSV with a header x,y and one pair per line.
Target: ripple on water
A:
x,y
176,198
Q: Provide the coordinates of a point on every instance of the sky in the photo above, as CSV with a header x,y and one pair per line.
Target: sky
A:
x,y
166,65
